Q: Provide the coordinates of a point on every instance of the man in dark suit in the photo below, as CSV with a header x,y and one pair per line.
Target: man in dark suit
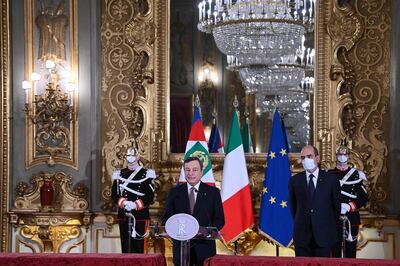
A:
x,y
315,207
201,201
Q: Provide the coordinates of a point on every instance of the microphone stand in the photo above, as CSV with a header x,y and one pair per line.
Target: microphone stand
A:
x,y
130,224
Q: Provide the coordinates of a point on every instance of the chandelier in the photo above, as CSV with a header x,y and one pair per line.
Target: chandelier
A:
x,y
287,101
262,39
270,79
256,31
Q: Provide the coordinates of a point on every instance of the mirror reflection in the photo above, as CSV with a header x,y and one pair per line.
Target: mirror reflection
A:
x,y
261,51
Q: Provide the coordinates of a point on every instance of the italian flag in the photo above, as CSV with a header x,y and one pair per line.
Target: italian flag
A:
x,y
197,147
235,193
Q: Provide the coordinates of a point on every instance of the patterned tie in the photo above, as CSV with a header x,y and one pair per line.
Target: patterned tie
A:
x,y
192,200
311,186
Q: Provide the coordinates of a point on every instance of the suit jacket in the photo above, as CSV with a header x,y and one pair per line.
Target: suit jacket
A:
x,y
317,216
208,211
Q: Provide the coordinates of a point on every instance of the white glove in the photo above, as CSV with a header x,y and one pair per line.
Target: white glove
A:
x,y
345,208
116,174
129,205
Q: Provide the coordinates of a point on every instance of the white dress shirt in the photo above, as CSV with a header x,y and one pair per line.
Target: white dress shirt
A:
x,y
315,179
196,189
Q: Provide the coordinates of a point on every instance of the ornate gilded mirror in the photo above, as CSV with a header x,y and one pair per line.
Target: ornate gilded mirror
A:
x,y
262,52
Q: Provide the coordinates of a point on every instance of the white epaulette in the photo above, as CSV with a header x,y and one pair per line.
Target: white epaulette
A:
x,y
116,175
151,173
361,174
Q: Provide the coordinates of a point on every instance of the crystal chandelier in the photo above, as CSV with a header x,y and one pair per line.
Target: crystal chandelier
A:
x,y
287,101
271,79
257,32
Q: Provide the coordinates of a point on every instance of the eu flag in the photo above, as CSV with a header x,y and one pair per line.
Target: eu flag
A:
x,y
275,218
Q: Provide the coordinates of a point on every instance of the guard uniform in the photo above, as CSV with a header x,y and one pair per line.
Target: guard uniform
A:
x,y
136,186
354,193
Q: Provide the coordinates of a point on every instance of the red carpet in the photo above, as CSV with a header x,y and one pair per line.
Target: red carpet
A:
x,y
222,260
90,259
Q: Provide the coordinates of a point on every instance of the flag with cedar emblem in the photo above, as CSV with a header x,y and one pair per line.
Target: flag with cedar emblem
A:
x,y
197,147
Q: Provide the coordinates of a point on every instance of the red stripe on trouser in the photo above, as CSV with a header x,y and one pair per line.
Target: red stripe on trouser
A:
x,y
238,216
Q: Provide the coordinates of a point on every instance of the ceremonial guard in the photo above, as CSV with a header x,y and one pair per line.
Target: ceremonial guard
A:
x,y
353,196
133,191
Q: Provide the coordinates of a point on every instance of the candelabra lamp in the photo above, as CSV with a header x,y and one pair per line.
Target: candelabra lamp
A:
x,y
49,108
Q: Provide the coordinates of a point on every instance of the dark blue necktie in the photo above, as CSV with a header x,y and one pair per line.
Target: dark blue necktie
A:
x,y
311,186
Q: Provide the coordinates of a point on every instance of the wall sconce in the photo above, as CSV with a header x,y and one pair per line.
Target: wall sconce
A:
x,y
208,74
50,108
53,105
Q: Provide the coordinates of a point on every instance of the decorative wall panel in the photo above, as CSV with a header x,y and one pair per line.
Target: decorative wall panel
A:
x,y
360,31
133,113
50,138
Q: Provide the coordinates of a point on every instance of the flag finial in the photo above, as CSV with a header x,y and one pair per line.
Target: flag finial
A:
x,y
276,102
235,103
214,114
246,114
197,101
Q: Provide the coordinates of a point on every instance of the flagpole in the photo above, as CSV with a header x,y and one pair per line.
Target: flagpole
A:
x,y
236,107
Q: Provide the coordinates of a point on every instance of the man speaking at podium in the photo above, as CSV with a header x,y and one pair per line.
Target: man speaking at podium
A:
x,y
202,202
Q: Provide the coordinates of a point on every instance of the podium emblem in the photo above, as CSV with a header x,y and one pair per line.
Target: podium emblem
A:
x,y
182,226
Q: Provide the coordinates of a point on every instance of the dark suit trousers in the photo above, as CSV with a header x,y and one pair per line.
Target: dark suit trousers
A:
x,y
312,250
137,245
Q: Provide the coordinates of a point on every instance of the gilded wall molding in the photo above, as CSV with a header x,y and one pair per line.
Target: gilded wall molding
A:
x,y
50,138
130,99
335,72
322,128
5,124
360,32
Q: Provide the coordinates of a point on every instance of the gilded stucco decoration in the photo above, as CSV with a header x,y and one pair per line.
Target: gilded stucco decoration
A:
x,y
50,234
51,127
65,198
362,46
127,36
49,227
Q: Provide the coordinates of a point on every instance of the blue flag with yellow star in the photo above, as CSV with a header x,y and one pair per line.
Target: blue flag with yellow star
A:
x,y
275,218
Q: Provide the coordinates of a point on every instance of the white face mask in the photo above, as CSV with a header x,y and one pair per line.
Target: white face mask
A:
x,y
342,158
131,158
308,164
